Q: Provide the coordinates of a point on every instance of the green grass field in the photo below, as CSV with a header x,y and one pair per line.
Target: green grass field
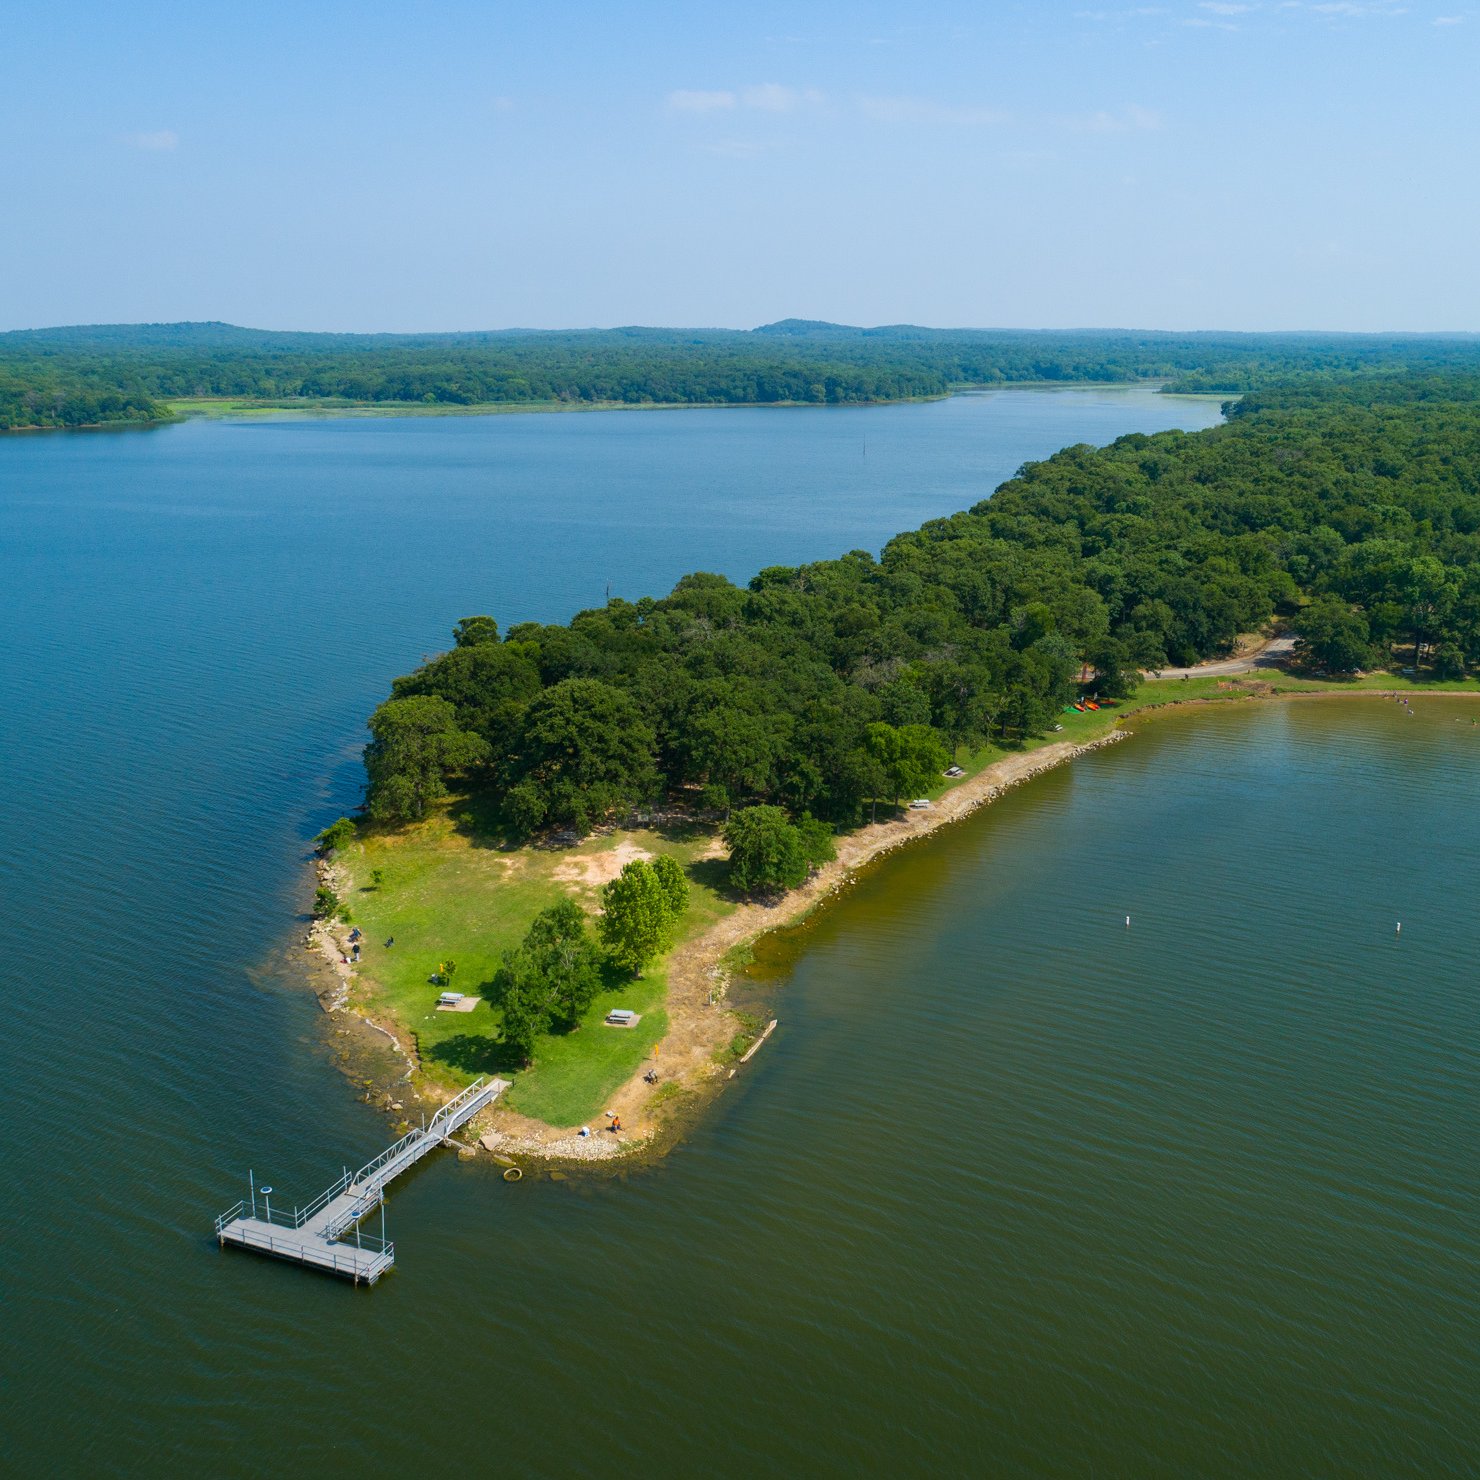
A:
x,y
446,894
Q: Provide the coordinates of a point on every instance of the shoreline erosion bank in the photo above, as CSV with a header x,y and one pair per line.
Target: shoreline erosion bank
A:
x,y
700,1023
690,1061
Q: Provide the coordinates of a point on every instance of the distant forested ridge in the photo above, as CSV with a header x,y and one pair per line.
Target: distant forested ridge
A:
x,y
1351,507
110,373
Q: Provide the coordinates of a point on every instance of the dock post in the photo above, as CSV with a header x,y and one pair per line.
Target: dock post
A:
x,y
313,1233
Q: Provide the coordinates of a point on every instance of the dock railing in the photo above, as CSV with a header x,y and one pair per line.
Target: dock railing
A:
x,y
436,1130
370,1180
342,1205
281,1217
345,1259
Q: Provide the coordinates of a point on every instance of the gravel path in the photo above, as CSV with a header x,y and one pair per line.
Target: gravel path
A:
x,y
1272,655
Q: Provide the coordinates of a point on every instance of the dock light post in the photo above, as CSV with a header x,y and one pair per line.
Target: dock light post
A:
x,y
266,1192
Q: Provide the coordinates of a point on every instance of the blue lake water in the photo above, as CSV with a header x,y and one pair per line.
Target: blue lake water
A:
x,y
1010,1192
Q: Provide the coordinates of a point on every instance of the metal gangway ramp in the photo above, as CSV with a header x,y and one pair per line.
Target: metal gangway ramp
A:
x,y
320,1235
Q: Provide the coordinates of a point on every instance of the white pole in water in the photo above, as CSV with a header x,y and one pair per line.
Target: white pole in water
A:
x,y
252,1183
1399,930
1127,922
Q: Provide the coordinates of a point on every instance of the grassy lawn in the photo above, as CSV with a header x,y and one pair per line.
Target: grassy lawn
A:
x,y
446,893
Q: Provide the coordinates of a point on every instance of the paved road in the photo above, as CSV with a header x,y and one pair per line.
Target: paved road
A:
x,y
1271,655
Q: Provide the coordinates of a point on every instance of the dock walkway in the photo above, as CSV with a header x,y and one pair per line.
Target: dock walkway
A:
x,y
320,1235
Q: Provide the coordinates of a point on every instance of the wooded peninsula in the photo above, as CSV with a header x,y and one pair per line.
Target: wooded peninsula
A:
x,y
675,758
148,373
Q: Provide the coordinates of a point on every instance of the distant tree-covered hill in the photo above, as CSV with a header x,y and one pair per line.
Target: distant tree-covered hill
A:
x,y
96,374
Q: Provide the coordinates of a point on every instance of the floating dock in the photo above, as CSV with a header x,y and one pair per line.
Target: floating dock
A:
x,y
326,1234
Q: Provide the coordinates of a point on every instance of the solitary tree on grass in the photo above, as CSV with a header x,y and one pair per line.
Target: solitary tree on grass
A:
x,y
566,958
770,853
638,914
552,976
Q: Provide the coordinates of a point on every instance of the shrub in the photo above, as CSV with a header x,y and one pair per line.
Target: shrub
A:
x,y
337,835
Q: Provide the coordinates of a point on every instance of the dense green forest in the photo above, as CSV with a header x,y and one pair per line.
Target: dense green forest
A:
x,y
111,373
1352,507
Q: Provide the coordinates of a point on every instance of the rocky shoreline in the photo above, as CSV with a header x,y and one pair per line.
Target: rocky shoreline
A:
x,y
698,982
698,976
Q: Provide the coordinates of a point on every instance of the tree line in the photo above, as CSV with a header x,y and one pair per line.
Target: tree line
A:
x,y
109,373
1351,507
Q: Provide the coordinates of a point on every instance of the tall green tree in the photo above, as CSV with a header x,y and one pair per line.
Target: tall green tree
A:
x,y
911,757
770,853
585,752
766,851
1332,637
524,1005
549,979
416,745
566,958
1115,676
475,632
637,916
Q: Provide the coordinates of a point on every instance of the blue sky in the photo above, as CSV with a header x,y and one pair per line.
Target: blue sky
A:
x,y
1193,164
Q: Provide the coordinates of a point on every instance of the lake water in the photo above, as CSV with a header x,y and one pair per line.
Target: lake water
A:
x,y
1013,1189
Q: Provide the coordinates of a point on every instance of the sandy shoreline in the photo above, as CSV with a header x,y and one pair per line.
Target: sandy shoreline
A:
x,y
689,1061
699,1023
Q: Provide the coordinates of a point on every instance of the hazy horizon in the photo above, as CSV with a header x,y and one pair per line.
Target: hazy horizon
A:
x,y
1294,331
1242,164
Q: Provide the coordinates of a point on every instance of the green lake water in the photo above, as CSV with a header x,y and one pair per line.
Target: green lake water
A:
x,y
1014,1189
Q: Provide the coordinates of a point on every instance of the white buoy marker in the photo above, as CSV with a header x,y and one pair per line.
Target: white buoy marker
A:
x,y
1399,930
1127,922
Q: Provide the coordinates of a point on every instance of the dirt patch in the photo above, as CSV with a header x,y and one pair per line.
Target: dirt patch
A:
x,y
592,870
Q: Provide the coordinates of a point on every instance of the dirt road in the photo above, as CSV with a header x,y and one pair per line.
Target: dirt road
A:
x,y
1272,655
